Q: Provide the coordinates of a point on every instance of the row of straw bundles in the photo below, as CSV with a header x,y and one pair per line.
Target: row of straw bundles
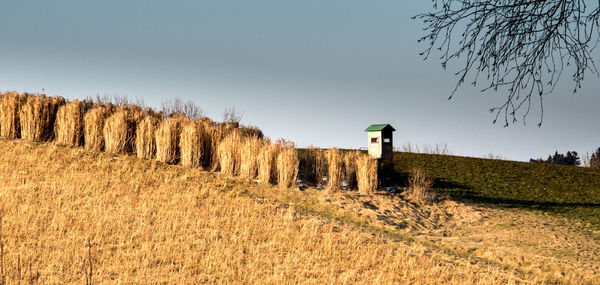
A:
x,y
10,103
191,144
249,157
316,163
167,139
68,128
313,165
37,116
334,169
287,165
366,174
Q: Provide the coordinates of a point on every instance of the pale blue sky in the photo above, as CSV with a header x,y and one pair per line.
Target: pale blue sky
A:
x,y
315,72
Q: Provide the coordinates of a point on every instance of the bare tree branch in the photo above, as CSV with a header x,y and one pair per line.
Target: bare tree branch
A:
x,y
521,46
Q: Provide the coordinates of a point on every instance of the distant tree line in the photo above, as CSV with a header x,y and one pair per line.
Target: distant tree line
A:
x,y
571,158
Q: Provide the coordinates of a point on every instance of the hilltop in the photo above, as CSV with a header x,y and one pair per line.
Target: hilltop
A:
x,y
564,191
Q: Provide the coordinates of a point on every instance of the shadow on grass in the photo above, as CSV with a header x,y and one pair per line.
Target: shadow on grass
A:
x,y
468,196
394,178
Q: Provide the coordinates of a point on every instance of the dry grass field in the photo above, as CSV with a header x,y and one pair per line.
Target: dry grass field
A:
x,y
74,216
101,193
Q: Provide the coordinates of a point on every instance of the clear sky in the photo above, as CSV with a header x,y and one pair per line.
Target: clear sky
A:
x,y
311,71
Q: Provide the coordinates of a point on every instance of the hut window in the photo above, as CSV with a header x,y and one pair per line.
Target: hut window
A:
x,y
374,140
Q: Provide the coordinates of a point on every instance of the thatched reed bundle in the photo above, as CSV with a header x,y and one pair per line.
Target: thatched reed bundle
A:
x,y
206,125
145,141
249,156
267,162
334,169
93,126
192,144
167,139
287,165
10,104
136,112
68,128
37,116
229,152
118,132
217,133
350,169
313,165
366,174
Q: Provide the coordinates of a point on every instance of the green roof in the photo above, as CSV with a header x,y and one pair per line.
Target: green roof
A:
x,y
379,127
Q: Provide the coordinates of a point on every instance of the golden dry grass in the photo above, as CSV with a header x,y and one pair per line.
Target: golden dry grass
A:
x,y
334,169
229,152
287,165
93,123
366,174
118,132
68,128
350,169
166,224
37,115
267,162
145,143
419,185
167,139
10,104
249,156
217,132
313,166
192,144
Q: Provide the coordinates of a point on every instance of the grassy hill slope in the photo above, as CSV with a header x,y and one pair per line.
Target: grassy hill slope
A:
x,y
69,215
573,192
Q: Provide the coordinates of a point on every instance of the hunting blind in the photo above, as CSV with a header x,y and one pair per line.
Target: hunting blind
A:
x,y
381,144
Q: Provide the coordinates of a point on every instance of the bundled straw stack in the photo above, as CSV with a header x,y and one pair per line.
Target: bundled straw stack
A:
x,y
334,169
37,116
118,132
93,123
192,144
350,169
313,165
267,162
145,144
10,103
287,165
206,125
366,174
249,157
68,128
167,139
217,133
229,152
